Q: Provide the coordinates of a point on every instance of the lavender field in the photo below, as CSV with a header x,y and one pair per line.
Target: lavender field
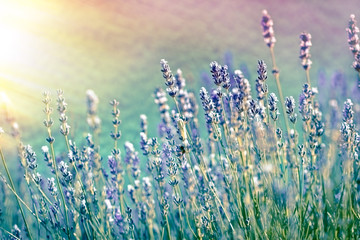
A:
x,y
236,152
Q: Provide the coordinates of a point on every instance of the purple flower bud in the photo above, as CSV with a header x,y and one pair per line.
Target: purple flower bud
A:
x,y
305,45
353,38
30,157
52,186
268,31
348,113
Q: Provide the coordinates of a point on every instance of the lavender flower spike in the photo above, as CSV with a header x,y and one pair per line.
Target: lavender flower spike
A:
x,y
290,104
290,107
215,70
353,41
92,102
348,113
356,63
172,88
353,38
30,157
268,31
261,86
305,45
272,102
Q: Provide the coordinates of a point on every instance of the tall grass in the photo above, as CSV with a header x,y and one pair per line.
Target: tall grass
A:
x,y
256,173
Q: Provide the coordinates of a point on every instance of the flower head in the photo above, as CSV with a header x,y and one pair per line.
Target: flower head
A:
x,y
305,45
353,38
268,31
272,101
261,86
290,107
348,113
172,88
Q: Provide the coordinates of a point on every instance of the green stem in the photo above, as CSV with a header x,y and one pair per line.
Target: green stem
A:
x,y
22,201
150,230
278,85
7,232
60,188
168,228
188,222
308,77
301,186
13,188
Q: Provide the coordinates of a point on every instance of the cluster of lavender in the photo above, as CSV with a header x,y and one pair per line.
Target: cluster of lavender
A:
x,y
251,177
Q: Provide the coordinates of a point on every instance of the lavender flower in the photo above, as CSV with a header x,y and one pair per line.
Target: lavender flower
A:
x,y
110,193
290,107
353,38
30,157
119,221
216,99
253,109
220,75
144,144
161,100
131,156
215,70
62,107
37,177
356,63
131,191
147,186
64,128
47,156
193,106
211,116
305,100
348,113
74,154
52,186
305,45
261,86
112,164
345,131
83,208
208,106
272,101
143,123
64,169
225,77
180,80
172,88
187,106
16,232
242,83
243,93
268,31
116,135
92,102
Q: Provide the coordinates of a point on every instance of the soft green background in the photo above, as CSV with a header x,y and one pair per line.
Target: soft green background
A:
x,y
115,47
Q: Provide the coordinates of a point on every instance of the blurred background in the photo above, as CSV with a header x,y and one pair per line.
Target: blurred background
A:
x,y
114,47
